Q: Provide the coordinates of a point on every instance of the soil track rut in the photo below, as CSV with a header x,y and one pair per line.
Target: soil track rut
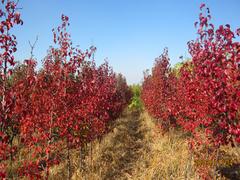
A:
x,y
119,152
125,148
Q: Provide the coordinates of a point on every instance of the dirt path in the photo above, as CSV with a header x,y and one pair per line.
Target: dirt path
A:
x,y
134,150
116,155
125,148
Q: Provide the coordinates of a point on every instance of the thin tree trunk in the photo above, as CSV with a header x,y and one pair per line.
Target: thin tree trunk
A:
x,y
215,164
91,152
48,143
11,159
68,162
3,102
81,157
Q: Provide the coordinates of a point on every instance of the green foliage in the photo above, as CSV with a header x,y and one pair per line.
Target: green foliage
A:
x,y
136,103
176,68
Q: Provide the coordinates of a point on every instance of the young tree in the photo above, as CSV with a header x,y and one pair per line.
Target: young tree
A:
x,y
8,123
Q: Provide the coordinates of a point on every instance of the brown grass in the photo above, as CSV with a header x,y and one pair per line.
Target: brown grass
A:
x,y
168,156
136,149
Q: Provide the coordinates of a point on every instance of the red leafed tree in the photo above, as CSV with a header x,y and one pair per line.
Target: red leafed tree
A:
x,y
205,95
158,90
212,86
8,123
65,105
120,98
208,88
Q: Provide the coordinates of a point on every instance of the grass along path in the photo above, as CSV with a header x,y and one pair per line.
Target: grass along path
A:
x,y
124,149
136,150
116,155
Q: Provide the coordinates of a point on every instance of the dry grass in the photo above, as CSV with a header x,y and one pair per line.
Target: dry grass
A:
x,y
135,149
116,155
168,156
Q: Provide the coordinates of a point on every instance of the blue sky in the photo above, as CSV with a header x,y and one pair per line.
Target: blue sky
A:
x,y
129,33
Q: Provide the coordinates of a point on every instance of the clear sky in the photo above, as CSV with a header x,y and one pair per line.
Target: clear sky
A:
x,y
129,33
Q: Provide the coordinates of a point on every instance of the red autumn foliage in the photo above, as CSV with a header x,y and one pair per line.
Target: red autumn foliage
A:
x,y
158,90
65,105
206,95
212,87
8,122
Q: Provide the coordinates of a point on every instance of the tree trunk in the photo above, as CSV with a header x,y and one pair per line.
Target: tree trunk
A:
x,y
68,162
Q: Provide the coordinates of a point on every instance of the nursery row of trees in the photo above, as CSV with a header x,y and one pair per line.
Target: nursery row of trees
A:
x,y
66,104
202,95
